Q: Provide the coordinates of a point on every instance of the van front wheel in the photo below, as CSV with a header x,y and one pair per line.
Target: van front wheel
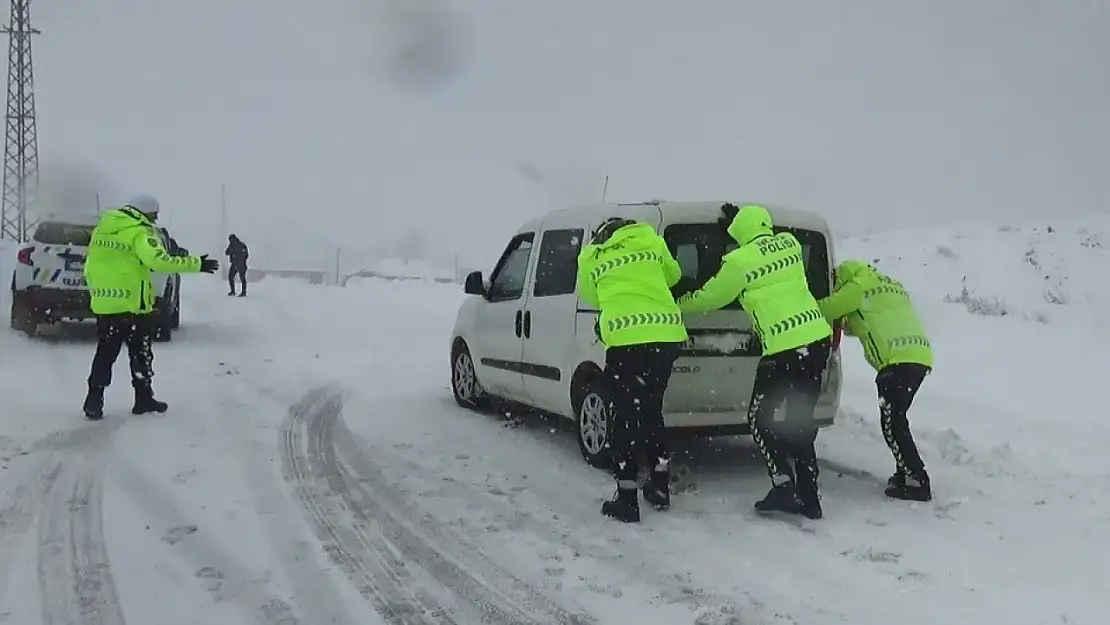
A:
x,y
465,386
594,425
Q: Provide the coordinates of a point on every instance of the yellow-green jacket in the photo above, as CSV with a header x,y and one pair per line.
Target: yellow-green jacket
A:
x,y
125,248
628,277
877,309
767,275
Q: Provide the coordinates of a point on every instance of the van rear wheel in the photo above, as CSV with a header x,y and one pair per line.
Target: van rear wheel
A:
x,y
595,423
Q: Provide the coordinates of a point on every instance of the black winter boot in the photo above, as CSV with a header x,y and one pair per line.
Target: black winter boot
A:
x,y
807,488
94,403
781,498
145,402
624,507
913,488
657,489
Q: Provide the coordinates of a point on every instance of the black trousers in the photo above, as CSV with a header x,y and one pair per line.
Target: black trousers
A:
x,y
898,385
239,270
794,378
112,333
637,377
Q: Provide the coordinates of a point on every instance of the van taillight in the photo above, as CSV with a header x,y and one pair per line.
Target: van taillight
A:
x,y
24,256
838,333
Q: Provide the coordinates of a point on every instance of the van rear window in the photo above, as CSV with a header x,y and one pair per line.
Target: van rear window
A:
x,y
698,248
58,233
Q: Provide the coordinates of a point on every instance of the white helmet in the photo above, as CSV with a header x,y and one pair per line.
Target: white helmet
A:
x,y
145,204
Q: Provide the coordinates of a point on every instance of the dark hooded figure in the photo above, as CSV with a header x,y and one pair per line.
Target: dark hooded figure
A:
x,y
237,264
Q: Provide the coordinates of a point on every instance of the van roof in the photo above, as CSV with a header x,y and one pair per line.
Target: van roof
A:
x,y
782,216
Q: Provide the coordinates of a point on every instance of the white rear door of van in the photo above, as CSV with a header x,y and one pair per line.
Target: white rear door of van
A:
x,y
716,367
715,372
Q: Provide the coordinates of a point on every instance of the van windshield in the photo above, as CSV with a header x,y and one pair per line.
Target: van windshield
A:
x,y
698,248
59,233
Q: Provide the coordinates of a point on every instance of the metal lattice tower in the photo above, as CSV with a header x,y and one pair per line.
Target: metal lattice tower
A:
x,y
21,137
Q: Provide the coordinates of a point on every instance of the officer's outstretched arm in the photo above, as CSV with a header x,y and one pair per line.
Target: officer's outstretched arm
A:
x,y
718,292
151,253
587,290
845,301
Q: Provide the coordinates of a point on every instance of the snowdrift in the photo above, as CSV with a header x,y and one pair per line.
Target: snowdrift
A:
x,y
1045,273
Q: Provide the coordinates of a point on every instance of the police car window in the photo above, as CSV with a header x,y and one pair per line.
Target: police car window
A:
x,y
507,282
57,233
557,265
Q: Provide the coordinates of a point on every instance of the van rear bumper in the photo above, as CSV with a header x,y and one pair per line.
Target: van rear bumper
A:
x,y
697,424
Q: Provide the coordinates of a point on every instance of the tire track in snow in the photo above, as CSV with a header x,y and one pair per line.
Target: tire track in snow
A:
x,y
316,595
75,578
627,554
367,559
19,507
320,453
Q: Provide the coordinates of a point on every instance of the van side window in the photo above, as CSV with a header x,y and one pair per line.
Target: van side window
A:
x,y
511,272
557,265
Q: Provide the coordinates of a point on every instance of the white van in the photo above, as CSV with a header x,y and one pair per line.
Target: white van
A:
x,y
524,336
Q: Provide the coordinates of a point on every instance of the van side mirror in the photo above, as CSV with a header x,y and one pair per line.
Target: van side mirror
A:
x,y
473,284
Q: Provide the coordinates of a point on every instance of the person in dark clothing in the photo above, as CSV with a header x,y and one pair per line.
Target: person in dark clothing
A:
x,y
171,244
237,254
626,271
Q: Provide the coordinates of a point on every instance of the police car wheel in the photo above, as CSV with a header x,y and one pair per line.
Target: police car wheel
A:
x,y
594,425
23,316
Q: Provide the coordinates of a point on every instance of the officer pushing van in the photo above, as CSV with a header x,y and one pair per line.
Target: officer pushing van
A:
x,y
877,310
125,249
627,272
767,275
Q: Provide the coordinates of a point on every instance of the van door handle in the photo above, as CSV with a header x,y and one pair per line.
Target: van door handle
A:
x,y
519,322
527,324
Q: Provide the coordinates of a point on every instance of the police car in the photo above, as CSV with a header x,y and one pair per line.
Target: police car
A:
x,y
48,283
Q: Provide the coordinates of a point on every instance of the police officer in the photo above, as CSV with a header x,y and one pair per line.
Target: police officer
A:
x,y
626,271
877,309
767,275
124,250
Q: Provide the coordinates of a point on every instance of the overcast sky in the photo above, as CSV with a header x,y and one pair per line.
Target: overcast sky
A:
x,y
877,114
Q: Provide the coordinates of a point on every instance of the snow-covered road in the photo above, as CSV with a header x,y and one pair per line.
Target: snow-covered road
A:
x,y
313,469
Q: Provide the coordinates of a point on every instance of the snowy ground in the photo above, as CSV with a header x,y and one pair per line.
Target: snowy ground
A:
x,y
313,465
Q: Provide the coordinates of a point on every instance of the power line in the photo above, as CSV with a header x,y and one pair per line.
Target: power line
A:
x,y
21,139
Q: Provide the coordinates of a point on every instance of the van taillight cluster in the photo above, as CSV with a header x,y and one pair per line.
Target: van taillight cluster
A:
x,y
24,256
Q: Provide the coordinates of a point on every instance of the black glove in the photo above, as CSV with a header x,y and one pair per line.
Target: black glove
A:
x,y
728,213
208,265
